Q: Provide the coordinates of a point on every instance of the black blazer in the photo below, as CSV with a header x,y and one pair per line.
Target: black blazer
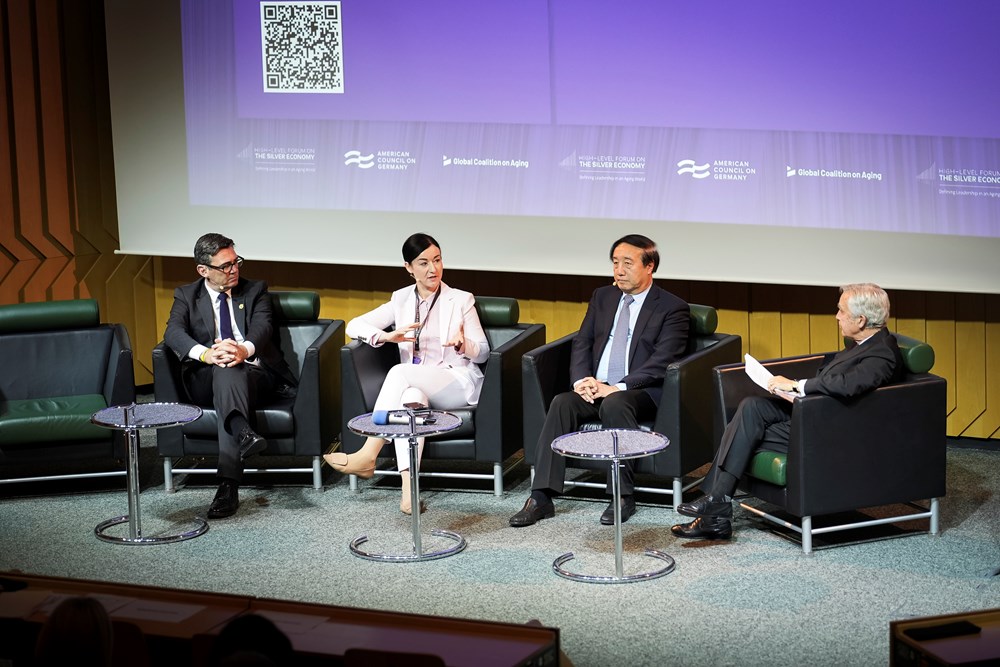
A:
x,y
660,337
858,369
192,322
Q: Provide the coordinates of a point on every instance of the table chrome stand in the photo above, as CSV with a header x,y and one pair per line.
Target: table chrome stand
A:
x,y
130,418
614,445
443,422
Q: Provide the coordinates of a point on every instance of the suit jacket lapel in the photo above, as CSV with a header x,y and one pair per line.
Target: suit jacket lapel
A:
x,y
641,322
447,306
846,354
238,301
206,310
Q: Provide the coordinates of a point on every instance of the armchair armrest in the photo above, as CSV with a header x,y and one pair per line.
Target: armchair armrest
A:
x,y
887,446
684,415
362,370
731,384
119,383
499,414
318,391
544,373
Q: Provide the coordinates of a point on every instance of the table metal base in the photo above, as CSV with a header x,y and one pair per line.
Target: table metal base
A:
x,y
614,579
201,526
417,555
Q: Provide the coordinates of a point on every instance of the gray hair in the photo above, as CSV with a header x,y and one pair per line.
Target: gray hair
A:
x,y
869,300
206,247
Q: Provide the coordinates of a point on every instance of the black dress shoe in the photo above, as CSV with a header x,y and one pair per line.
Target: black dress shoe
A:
x,y
628,509
532,512
227,501
705,528
250,443
707,506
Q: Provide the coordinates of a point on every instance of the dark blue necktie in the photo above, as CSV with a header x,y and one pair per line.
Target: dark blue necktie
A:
x,y
225,318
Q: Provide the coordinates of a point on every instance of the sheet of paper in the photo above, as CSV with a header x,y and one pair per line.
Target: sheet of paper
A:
x,y
761,375
757,372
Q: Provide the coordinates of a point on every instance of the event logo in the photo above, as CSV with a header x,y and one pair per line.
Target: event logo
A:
x,y
384,160
290,159
719,170
696,170
962,181
845,174
609,167
447,161
363,161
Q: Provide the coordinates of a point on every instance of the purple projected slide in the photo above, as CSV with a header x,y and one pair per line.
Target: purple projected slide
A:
x,y
850,114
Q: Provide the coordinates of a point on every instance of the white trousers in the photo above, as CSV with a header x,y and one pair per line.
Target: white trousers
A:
x,y
434,386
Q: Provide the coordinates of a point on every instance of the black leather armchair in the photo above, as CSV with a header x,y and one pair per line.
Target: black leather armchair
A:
x,y
293,427
491,430
884,448
60,365
685,413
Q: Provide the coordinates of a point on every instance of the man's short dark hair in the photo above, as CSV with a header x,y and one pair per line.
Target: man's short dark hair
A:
x,y
208,246
649,252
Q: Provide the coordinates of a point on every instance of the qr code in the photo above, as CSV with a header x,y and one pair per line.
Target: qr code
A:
x,y
302,47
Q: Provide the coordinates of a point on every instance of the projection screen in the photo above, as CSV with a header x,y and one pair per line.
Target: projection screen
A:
x,y
772,142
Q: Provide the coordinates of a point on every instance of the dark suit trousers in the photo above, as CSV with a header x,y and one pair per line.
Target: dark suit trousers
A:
x,y
229,390
760,422
622,409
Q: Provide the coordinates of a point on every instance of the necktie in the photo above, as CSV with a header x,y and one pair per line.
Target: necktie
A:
x,y
619,344
225,317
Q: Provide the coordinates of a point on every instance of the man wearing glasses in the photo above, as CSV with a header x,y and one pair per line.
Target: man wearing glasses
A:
x,y
220,326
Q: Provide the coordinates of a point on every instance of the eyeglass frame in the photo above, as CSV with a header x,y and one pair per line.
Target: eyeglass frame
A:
x,y
228,266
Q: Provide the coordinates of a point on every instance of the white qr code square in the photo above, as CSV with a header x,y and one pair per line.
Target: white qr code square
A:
x,y
302,47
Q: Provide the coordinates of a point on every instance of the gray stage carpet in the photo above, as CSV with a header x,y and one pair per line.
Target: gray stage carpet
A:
x,y
756,600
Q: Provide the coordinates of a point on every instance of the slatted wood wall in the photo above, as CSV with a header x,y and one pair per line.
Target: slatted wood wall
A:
x,y
58,236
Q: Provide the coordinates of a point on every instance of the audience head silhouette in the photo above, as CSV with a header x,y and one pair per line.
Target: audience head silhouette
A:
x,y
251,640
78,632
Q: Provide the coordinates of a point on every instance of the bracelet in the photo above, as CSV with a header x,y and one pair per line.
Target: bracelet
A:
x,y
202,357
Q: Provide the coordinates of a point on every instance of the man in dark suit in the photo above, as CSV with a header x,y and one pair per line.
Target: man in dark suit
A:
x,y
619,384
870,360
220,326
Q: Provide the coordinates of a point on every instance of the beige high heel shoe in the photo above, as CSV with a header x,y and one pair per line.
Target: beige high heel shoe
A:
x,y
351,464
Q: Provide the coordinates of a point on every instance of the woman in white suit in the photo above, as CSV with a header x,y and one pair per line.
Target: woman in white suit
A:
x,y
440,344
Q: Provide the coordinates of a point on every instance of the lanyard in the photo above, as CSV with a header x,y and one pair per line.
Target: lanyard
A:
x,y
416,317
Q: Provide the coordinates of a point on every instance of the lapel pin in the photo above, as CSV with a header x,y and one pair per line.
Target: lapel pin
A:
x,y
241,306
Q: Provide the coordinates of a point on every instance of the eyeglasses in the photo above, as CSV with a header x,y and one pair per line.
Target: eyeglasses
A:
x,y
228,266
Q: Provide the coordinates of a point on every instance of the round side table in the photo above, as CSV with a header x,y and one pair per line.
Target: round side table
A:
x,y
440,422
131,418
613,445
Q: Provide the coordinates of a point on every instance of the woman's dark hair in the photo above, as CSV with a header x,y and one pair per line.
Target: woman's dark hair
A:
x,y
650,255
416,244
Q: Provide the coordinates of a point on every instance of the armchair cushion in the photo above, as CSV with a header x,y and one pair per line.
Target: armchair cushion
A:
x,y
54,419
60,365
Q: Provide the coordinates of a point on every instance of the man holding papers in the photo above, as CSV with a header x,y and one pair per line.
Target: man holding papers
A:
x,y
870,360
